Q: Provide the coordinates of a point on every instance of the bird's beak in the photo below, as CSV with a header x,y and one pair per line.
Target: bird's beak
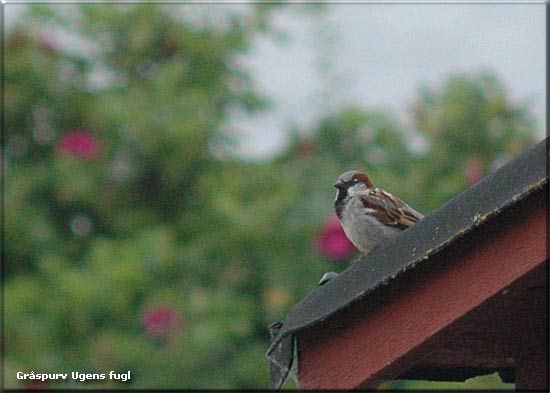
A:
x,y
339,184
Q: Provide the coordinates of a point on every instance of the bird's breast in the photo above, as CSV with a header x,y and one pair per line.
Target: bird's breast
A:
x,y
363,229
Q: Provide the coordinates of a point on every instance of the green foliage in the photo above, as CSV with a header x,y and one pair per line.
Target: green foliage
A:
x,y
133,246
469,118
484,382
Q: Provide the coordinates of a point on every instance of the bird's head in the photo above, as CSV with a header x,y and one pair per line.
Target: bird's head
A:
x,y
351,182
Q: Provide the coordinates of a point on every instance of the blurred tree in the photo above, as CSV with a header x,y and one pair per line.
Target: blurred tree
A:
x,y
470,127
133,244
118,255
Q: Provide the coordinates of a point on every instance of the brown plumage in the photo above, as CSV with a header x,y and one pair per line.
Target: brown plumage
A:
x,y
370,216
388,209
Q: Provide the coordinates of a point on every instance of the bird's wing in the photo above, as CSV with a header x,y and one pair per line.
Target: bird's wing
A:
x,y
388,209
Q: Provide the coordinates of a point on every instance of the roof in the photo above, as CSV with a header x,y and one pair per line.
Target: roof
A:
x,y
435,233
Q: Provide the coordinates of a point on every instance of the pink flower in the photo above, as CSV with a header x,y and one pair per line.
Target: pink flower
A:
x,y
474,170
333,241
162,322
47,45
80,144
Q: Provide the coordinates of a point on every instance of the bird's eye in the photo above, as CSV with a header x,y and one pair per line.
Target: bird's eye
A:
x,y
355,180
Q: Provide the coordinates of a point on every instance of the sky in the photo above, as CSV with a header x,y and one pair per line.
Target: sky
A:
x,y
377,56
380,54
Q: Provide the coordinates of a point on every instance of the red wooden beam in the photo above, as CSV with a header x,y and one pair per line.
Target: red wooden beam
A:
x,y
361,348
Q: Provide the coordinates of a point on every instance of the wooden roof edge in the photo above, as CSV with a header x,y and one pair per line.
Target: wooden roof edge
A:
x,y
471,209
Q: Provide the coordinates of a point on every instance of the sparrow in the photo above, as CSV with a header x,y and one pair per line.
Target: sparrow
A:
x,y
369,215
